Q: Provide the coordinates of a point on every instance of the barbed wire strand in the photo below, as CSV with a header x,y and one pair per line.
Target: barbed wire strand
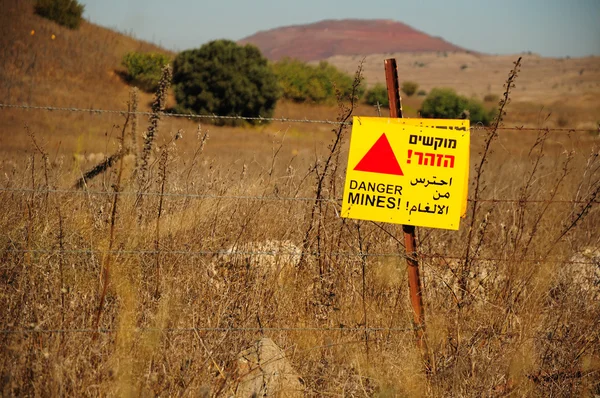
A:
x,y
233,253
475,127
251,197
542,336
165,194
212,329
180,115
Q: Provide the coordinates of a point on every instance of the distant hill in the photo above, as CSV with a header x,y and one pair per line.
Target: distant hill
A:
x,y
324,39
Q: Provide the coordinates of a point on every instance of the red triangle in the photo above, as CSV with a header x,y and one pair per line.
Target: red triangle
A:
x,y
380,159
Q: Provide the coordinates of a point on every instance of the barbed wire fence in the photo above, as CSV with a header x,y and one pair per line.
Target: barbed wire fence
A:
x,y
228,253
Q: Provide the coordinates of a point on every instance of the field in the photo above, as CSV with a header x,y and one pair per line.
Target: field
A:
x,y
154,276
564,89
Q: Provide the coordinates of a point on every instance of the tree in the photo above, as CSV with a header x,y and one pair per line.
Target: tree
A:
x,y
409,88
377,95
444,103
226,79
64,12
301,82
144,69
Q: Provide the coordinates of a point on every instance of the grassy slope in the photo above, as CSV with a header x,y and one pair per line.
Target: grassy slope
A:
x,y
77,68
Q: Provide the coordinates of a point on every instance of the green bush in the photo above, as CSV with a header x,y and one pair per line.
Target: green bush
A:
x,y
377,95
64,12
444,103
478,113
409,88
301,82
226,79
144,69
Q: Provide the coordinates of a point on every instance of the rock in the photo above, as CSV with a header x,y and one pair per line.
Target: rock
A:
x,y
270,255
264,371
267,259
579,275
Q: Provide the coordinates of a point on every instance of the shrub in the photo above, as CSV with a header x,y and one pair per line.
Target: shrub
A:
x,y
224,78
377,95
409,88
422,93
144,69
301,82
444,103
478,113
63,12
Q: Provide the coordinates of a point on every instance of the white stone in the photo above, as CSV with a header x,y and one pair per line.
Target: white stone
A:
x,y
264,371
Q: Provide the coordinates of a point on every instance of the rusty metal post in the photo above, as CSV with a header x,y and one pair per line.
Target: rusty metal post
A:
x,y
414,281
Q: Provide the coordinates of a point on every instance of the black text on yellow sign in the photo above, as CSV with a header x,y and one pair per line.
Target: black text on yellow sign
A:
x,y
408,171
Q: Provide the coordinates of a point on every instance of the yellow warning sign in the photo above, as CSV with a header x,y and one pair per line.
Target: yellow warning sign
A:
x,y
408,171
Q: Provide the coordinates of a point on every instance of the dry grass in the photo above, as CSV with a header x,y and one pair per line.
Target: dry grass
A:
x,y
522,325
565,88
180,304
76,68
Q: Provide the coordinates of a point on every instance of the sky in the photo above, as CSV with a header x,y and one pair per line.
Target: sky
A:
x,y
552,28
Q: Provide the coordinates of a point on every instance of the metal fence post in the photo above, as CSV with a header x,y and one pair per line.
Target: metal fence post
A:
x,y
414,281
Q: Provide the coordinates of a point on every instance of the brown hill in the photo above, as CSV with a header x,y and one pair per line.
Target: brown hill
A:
x,y
324,39
44,63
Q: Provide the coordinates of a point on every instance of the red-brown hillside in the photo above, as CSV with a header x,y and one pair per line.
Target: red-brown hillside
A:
x,y
324,39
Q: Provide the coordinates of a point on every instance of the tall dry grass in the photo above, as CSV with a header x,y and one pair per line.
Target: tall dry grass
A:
x,y
511,298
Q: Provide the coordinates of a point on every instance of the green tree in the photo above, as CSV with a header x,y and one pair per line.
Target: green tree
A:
x,y
301,82
225,79
64,12
377,95
144,69
478,113
444,103
409,88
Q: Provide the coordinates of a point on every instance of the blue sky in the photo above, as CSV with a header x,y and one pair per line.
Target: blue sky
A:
x,y
555,28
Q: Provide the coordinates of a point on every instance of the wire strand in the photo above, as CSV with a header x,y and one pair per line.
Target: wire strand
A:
x,y
181,115
164,194
251,197
476,127
211,329
233,253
